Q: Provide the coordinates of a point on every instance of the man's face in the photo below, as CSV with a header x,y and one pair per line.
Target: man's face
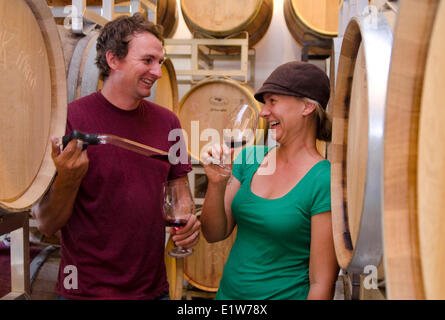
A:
x,y
139,70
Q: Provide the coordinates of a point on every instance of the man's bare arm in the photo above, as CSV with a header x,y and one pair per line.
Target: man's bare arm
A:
x,y
55,208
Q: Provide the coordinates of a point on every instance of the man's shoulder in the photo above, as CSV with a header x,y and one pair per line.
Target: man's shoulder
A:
x,y
160,111
83,102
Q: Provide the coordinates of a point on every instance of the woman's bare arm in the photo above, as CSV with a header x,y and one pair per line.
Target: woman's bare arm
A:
x,y
216,216
323,267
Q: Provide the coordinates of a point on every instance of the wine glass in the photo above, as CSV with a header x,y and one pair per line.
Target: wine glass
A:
x,y
240,128
177,208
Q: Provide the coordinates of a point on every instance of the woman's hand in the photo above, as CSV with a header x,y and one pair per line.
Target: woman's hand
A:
x,y
217,161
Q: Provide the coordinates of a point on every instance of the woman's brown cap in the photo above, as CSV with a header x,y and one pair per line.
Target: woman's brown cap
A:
x,y
299,79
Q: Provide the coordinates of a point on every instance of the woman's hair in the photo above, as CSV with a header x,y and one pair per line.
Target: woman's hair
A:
x,y
322,120
117,34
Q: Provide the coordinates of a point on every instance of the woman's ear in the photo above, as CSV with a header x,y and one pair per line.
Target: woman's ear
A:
x,y
309,107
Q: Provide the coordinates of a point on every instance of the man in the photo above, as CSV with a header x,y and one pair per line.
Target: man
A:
x,y
105,200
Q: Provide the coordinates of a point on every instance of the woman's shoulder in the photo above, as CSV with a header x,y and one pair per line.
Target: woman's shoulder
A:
x,y
323,170
321,176
324,166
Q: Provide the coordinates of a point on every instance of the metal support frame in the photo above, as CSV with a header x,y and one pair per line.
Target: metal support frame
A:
x,y
197,56
307,44
197,170
18,225
354,288
82,15
141,5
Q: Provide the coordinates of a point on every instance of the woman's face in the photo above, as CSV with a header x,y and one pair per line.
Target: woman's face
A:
x,y
284,115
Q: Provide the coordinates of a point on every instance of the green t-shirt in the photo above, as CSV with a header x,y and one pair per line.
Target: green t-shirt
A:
x,y
270,256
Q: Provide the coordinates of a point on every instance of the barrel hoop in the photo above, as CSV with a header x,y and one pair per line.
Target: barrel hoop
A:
x,y
372,34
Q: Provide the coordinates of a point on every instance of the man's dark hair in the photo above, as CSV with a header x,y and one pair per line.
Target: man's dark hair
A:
x,y
117,34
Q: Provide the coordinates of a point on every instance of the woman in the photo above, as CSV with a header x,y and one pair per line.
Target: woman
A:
x,y
284,245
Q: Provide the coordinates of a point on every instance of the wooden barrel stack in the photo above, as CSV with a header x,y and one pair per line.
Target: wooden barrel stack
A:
x,y
387,167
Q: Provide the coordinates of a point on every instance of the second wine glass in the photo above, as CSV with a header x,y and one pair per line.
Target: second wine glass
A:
x,y
178,206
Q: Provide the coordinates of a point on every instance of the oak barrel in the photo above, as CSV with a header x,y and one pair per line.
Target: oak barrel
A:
x,y
313,20
172,266
229,18
167,16
414,185
207,105
32,101
204,268
83,76
431,169
356,151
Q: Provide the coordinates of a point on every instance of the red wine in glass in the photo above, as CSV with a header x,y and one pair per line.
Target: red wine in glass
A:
x,y
232,143
177,223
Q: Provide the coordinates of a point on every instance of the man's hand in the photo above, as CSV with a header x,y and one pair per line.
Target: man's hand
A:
x,y
71,163
187,236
